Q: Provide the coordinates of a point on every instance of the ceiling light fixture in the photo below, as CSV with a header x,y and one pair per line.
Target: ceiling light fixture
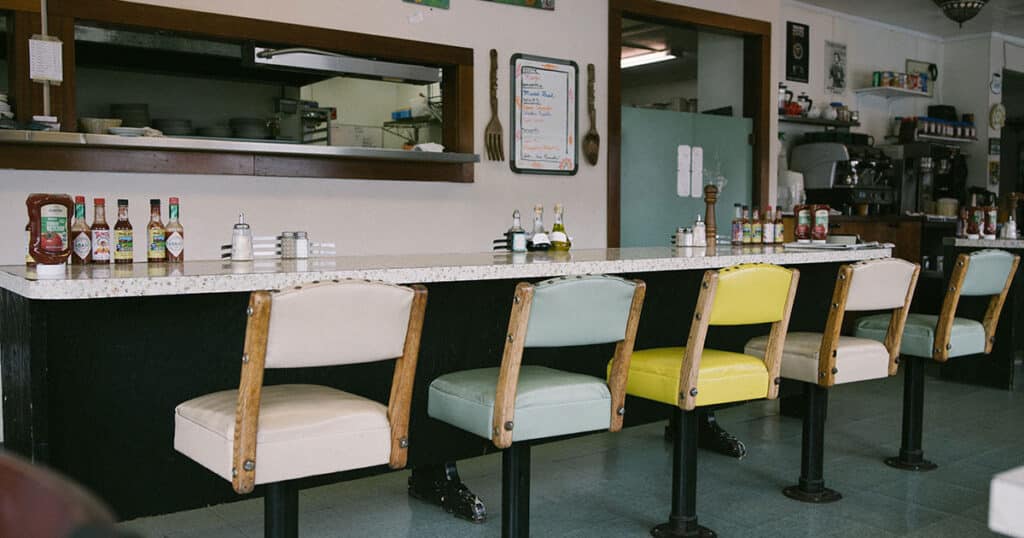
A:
x,y
960,11
647,58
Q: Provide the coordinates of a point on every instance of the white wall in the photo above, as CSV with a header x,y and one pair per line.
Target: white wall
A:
x,y
968,92
870,46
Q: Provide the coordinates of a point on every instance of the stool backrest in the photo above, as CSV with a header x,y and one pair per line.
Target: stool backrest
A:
x,y
746,294
332,323
886,284
579,310
751,293
568,311
986,272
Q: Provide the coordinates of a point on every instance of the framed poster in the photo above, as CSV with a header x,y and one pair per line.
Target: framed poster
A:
x,y
539,4
544,119
835,67
443,4
797,49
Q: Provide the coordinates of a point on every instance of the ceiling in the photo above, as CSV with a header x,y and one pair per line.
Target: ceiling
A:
x,y
640,37
1003,16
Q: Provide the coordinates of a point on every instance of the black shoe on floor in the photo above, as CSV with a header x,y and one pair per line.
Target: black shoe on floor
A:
x,y
711,436
441,485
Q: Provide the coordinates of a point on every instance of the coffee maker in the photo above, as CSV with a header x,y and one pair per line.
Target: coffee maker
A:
x,y
927,173
849,178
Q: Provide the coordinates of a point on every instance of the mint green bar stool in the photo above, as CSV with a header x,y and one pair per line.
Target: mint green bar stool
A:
x,y
514,404
945,336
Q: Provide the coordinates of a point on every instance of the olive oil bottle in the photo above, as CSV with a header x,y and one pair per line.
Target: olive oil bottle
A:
x,y
559,237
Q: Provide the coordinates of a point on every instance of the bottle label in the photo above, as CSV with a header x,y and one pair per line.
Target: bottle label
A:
x,y
779,232
173,212
820,230
28,240
53,227
176,244
101,245
82,245
156,245
768,232
123,248
755,232
737,232
747,232
803,224
558,237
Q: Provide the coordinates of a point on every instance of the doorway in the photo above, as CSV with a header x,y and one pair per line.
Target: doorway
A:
x,y
646,199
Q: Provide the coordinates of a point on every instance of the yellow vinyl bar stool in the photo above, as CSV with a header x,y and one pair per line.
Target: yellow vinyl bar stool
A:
x,y
986,273
821,360
275,434
692,376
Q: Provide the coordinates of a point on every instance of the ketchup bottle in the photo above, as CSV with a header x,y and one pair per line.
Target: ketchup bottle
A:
x,y
49,221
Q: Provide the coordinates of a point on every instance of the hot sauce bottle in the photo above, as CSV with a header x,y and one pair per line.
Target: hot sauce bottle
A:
x,y
176,234
49,233
124,251
737,225
81,235
100,232
780,236
745,224
156,235
755,227
768,227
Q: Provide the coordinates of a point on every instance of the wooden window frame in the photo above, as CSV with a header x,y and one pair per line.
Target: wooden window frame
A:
x,y
757,94
457,91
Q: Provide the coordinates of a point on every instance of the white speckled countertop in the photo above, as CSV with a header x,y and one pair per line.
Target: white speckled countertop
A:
x,y
194,277
985,243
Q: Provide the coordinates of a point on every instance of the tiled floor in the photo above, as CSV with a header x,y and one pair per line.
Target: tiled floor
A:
x,y
617,485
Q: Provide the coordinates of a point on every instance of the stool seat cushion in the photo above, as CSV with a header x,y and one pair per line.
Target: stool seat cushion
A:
x,y
966,338
857,359
549,402
724,376
304,430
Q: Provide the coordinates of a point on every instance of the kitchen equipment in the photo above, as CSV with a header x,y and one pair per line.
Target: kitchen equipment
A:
x,y
844,176
791,190
947,207
302,121
591,140
173,126
98,125
132,114
493,132
785,96
254,128
241,240
805,103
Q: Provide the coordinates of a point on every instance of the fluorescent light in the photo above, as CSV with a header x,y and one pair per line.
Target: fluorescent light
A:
x,y
648,58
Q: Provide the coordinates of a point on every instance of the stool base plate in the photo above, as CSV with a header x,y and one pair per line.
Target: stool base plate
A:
x,y
665,530
920,466
826,495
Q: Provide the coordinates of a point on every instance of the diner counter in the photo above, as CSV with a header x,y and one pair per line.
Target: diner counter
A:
x,y
984,243
200,277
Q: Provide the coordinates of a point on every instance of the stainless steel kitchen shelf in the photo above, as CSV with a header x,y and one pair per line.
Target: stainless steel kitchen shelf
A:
x,y
221,145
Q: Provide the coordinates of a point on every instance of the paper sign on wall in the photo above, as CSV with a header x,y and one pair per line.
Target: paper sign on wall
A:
x,y
45,59
697,172
683,171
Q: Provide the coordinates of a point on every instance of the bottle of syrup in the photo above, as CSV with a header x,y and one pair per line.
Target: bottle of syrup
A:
x,y
49,217
156,238
81,235
124,250
176,234
100,232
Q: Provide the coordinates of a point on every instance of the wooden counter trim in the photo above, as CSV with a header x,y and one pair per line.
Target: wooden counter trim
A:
x,y
995,308
618,377
247,414
401,385
503,420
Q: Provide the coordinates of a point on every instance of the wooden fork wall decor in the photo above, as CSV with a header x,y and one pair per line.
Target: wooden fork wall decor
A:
x,y
493,139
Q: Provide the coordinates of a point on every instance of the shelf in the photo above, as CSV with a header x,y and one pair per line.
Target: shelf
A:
x,y
937,138
818,121
891,92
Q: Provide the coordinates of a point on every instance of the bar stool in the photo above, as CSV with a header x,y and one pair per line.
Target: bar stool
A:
x,y
821,360
275,434
515,404
692,376
981,273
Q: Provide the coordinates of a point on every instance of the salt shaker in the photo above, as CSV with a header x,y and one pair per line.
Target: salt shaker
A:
x,y
301,245
241,240
699,233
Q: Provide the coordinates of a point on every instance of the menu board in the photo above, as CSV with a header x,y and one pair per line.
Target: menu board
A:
x,y
544,123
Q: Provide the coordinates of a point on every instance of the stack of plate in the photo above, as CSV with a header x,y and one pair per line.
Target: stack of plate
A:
x,y
5,107
215,131
257,128
132,114
173,126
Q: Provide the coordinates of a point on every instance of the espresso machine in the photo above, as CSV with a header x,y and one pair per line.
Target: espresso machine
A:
x,y
854,179
927,173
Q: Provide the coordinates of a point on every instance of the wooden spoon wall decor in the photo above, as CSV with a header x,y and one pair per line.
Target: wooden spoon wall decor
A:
x,y
591,141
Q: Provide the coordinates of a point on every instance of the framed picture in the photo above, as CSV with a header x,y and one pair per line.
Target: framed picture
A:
x,y
442,4
539,4
797,40
993,146
544,119
835,67
930,70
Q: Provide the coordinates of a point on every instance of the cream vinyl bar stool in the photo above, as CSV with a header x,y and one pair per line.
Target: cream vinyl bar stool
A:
x,y
821,360
275,434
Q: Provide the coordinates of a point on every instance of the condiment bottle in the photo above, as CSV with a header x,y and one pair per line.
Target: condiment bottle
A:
x,y
990,221
559,237
737,225
768,227
100,232
803,223
539,239
287,245
175,233
28,241
124,249
747,231
780,236
49,232
156,234
819,234
700,238
241,240
81,235
301,245
516,234
755,227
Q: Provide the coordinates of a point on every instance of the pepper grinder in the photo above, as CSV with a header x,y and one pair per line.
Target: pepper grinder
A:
x,y
241,241
710,197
